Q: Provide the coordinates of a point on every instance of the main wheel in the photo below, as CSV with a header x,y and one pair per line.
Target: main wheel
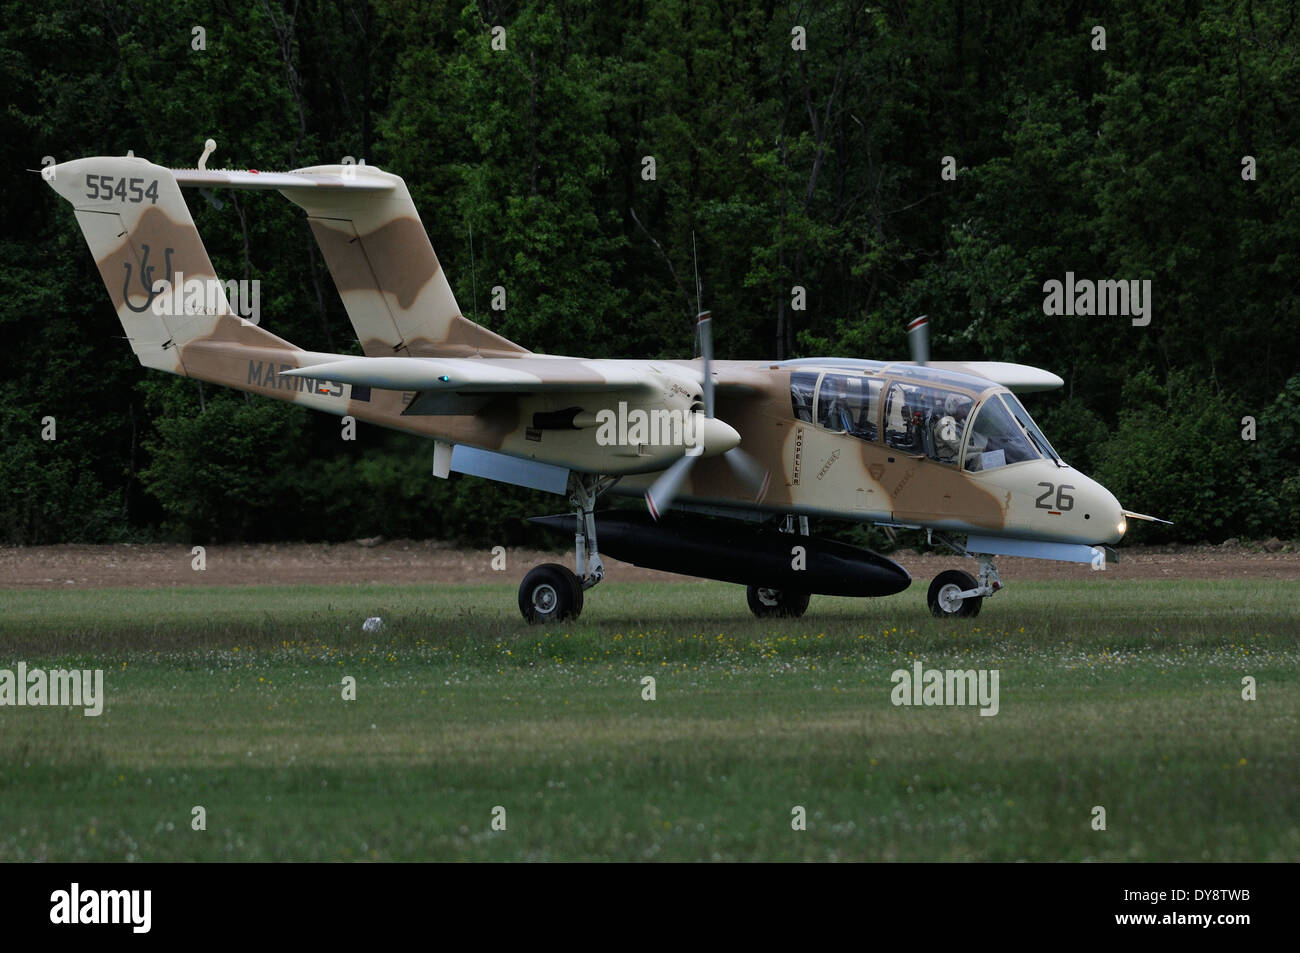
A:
x,y
766,603
945,595
550,592
577,591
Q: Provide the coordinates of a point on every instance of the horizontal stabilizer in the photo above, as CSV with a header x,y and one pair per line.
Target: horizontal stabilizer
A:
x,y
251,179
468,375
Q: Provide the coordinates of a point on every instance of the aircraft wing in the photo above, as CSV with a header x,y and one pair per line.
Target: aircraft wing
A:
x,y
1020,378
528,375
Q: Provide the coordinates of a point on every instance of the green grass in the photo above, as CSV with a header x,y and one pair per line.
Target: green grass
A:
x,y
1114,693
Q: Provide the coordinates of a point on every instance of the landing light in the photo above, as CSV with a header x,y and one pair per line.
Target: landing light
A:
x,y
1122,526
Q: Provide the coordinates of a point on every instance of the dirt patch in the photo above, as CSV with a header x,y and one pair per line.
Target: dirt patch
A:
x,y
408,561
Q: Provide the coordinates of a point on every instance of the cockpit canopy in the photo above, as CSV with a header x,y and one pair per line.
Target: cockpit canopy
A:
x,y
945,424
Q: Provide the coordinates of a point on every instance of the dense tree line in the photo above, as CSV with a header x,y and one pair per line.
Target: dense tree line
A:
x,y
802,145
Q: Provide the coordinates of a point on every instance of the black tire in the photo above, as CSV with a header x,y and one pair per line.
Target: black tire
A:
x,y
550,593
941,602
776,603
578,599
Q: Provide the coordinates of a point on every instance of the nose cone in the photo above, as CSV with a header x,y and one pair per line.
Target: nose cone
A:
x,y
1106,508
1089,514
713,437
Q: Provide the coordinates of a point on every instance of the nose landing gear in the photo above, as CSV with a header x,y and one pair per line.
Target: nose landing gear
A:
x,y
768,603
955,594
946,597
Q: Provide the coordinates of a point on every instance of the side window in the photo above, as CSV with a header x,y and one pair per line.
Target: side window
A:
x,y
868,408
802,384
849,403
926,420
995,439
899,431
949,428
832,403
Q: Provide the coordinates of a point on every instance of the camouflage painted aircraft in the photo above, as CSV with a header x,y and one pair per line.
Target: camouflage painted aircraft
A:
x,y
945,447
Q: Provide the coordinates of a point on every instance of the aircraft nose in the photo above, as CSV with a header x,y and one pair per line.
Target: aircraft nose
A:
x,y
1113,522
1098,517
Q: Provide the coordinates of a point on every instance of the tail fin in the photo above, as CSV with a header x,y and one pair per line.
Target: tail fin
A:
x,y
384,266
151,258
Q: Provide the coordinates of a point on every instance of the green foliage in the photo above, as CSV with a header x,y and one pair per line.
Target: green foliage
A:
x,y
224,467
224,472
389,492
817,168
51,493
1275,456
1179,457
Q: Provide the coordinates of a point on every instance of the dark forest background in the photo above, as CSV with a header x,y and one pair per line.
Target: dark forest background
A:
x,y
818,168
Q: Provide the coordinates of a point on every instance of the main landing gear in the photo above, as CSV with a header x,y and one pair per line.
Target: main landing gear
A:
x,y
955,594
551,592
768,603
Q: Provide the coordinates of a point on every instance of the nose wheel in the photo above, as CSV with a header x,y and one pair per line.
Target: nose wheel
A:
x,y
958,595
951,597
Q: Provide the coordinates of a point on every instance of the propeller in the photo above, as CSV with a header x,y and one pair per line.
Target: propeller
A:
x,y
751,474
704,344
918,339
664,490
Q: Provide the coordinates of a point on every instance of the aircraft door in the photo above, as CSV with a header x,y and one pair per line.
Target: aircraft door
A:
x,y
923,429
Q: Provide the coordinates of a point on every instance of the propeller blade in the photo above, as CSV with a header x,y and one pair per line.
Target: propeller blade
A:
x,y
752,474
704,337
1149,519
918,339
664,490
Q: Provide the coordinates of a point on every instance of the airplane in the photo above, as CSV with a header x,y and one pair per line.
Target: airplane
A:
x,y
730,457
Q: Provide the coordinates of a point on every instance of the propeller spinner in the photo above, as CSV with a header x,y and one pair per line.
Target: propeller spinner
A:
x,y
752,474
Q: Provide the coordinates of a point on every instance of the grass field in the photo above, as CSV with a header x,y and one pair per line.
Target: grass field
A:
x,y
1126,695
